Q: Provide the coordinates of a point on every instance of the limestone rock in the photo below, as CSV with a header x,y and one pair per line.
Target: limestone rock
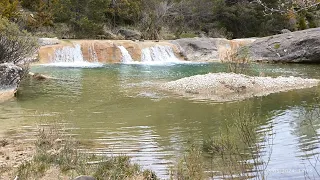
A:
x,y
130,34
283,31
10,75
209,49
293,47
48,41
198,49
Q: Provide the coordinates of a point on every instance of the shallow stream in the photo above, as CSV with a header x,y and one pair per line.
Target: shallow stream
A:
x,y
120,108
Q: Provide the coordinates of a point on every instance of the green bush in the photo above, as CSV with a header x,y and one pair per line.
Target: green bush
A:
x,y
15,45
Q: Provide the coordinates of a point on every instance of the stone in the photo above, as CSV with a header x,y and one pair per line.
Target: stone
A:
x,y
108,33
84,178
10,76
293,47
283,31
48,41
198,49
209,49
130,34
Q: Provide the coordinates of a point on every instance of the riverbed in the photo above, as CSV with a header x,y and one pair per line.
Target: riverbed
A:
x,y
120,108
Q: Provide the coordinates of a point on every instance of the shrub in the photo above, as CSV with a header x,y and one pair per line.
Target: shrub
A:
x,y
9,9
15,45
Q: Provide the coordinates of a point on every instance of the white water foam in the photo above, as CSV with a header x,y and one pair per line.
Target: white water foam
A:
x,y
159,55
72,57
126,57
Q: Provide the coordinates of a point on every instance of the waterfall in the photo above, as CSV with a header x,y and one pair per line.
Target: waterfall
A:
x,y
158,54
72,57
92,54
126,57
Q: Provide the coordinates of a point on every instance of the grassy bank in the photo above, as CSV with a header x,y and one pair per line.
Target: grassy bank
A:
x,y
52,154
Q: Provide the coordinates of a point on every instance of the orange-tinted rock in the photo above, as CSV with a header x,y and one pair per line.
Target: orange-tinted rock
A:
x,y
104,51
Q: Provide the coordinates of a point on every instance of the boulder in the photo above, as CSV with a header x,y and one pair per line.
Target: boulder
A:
x,y
48,41
10,76
283,31
198,49
291,47
209,49
130,34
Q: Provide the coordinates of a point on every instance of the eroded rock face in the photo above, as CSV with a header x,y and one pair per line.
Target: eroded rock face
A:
x,y
198,49
291,47
10,76
103,51
209,49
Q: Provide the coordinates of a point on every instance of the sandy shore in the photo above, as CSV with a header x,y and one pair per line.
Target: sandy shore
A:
x,y
222,87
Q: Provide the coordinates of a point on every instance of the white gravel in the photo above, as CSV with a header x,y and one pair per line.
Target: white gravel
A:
x,y
230,86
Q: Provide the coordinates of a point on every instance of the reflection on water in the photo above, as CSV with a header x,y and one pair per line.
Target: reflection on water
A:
x,y
119,107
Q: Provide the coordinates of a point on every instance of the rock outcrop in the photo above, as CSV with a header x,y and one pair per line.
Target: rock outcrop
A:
x,y
10,76
130,34
222,87
103,51
48,41
291,47
209,49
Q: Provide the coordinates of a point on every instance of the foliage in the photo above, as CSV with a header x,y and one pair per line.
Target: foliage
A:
x,y
191,166
15,45
56,149
9,9
215,18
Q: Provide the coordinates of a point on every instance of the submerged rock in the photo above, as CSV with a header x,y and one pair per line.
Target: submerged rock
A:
x,y
293,47
224,87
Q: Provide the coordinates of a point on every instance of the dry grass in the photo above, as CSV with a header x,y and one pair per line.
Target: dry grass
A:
x,y
57,156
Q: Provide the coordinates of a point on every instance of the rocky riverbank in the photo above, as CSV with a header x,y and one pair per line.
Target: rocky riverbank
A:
x,y
10,77
222,87
290,47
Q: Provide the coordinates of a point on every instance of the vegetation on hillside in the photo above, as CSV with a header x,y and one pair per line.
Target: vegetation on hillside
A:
x,y
15,45
161,18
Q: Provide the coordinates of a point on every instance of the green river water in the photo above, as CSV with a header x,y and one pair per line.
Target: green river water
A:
x,y
120,108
